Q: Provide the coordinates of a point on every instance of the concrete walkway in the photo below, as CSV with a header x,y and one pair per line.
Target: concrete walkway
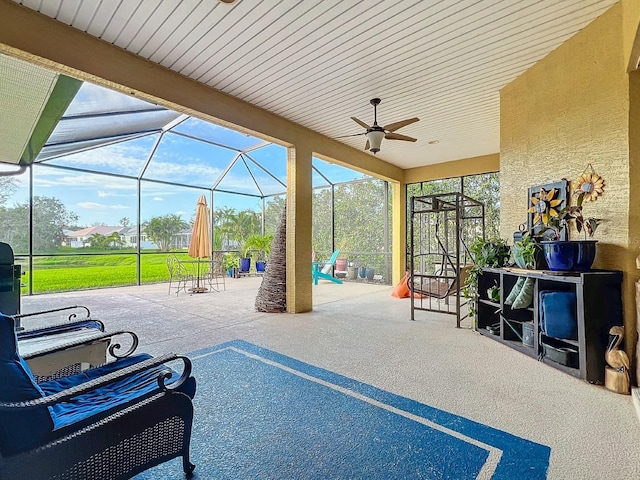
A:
x,y
360,331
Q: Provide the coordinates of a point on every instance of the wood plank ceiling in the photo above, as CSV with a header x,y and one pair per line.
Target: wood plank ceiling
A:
x,y
319,62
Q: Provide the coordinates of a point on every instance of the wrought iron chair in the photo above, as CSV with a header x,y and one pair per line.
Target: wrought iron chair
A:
x,y
110,422
216,274
179,273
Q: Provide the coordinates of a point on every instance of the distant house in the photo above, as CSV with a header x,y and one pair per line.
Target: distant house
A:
x,y
81,238
181,240
128,235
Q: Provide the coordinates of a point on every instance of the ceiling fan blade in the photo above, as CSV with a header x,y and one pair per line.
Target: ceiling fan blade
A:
x,y
361,123
397,136
392,127
353,135
366,145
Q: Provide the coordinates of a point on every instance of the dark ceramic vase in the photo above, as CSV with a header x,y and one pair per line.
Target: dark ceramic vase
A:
x,y
569,256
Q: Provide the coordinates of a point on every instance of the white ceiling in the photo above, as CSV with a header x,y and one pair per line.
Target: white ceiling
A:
x,y
319,62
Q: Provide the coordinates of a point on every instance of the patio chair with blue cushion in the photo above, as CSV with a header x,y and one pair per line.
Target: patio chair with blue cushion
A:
x,y
323,269
109,422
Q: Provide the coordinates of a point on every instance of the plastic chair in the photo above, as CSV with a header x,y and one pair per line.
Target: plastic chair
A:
x,y
323,269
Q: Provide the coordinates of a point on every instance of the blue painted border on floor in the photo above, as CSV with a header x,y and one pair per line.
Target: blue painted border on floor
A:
x,y
261,414
521,458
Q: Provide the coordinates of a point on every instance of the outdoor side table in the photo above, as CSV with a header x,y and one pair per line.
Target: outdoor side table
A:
x,y
91,353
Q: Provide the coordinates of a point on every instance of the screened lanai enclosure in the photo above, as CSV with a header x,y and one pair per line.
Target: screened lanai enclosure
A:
x,y
108,183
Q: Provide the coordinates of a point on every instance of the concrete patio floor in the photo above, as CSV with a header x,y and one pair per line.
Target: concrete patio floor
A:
x,y
360,331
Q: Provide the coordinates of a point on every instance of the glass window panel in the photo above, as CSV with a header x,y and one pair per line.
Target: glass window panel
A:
x,y
268,185
486,189
186,161
336,173
55,151
123,158
167,214
94,99
237,179
69,204
14,210
217,134
360,223
108,126
273,213
317,180
321,229
236,218
153,267
273,158
80,272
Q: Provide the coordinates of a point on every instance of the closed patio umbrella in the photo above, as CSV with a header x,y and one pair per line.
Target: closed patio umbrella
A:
x,y
200,245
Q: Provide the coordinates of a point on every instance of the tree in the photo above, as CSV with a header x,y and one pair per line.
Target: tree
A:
x,y
50,219
161,230
8,186
125,222
231,226
106,242
486,189
97,240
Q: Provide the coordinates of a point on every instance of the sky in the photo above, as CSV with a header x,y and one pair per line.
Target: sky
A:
x,y
102,199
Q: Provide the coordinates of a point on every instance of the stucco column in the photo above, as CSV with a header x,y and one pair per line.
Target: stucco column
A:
x,y
299,222
399,231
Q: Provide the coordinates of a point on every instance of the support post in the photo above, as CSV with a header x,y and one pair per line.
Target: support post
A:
x,y
399,231
299,223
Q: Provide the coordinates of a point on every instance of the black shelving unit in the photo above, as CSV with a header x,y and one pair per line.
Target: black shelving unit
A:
x,y
598,308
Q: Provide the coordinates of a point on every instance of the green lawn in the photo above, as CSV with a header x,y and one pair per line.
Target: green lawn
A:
x,y
80,272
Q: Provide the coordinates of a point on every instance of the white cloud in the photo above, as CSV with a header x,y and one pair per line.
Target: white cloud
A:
x,y
158,199
101,206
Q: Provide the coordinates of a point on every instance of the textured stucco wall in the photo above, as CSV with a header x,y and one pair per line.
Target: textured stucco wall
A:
x,y
569,110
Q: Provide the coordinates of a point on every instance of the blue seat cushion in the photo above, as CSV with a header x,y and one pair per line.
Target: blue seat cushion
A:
x,y
558,314
101,401
18,430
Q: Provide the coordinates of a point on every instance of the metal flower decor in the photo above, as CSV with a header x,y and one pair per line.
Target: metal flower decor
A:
x,y
543,206
590,185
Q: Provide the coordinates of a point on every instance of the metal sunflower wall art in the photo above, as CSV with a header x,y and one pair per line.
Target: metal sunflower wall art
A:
x,y
590,185
543,205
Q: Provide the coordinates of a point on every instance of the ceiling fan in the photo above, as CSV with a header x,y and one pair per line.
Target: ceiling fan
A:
x,y
375,133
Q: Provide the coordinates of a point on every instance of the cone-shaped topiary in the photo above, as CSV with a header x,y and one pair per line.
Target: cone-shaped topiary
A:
x,y
272,294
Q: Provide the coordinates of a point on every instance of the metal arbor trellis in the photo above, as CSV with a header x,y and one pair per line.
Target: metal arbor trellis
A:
x,y
442,226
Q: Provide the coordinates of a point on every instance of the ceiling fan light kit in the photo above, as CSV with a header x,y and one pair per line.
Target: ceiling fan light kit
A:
x,y
374,137
376,133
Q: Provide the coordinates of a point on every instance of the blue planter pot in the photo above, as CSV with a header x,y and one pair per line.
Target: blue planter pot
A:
x,y
370,273
569,256
260,266
245,265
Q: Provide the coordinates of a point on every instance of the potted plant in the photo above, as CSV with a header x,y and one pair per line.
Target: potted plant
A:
x,y
527,253
262,245
486,253
570,255
230,262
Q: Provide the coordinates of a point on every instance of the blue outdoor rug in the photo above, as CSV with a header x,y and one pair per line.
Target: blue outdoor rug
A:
x,y
263,415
